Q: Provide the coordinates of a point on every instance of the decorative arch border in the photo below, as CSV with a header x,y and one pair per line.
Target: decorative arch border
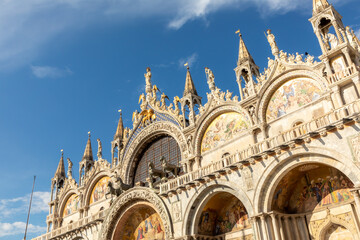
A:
x,y
205,193
91,184
281,165
209,118
126,200
269,90
64,199
331,219
154,129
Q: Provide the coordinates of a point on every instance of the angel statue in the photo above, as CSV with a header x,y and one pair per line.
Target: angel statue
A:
x,y
69,172
99,153
162,100
271,39
147,76
211,78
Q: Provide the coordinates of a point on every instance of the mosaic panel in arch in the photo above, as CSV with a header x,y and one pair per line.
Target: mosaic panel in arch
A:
x,y
310,187
72,205
291,96
224,213
224,128
144,223
99,191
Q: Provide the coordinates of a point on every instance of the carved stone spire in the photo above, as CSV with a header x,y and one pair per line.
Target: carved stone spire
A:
x,y
60,171
319,5
120,129
244,54
189,84
88,155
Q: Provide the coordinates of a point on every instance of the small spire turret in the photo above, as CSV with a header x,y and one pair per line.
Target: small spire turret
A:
x,y
117,143
190,99
87,161
189,84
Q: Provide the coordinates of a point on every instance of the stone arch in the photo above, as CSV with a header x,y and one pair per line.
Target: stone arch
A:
x,y
333,220
280,166
91,184
126,201
207,120
204,194
270,88
144,137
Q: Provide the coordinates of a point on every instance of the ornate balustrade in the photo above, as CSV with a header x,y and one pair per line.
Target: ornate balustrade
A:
x,y
314,128
333,78
99,216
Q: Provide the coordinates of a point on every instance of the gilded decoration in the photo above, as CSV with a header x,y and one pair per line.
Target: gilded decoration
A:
x,y
291,96
144,223
71,206
99,190
310,187
224,213
222,129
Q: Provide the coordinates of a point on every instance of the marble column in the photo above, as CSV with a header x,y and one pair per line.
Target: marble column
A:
x,y
306,230
288,228
275,226
281,226
264,228
296,228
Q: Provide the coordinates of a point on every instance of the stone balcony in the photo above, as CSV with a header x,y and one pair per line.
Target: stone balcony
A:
x,y
74,226
315,128
342,75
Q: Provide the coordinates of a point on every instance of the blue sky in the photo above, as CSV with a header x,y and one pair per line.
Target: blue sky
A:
x,y
67,66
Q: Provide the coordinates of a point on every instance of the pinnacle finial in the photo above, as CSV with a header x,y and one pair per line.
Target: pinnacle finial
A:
x,y
88,150
244,54
89,133
189,84
120,128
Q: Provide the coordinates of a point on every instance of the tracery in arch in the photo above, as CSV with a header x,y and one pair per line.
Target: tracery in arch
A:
x,y
162,146
222,129
290,96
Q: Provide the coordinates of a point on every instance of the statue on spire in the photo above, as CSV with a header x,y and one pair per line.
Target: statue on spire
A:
x,y
147,76
69,172
210,78
99,153
271,39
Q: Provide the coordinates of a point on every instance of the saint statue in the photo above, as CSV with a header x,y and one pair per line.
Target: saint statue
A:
x,y
69,172
147,76
271,39
211,79
99,153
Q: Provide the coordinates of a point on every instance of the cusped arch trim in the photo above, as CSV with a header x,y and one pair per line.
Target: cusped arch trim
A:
x,y
214,113
205,193
126,200
91,184
149,132
280,166
268,90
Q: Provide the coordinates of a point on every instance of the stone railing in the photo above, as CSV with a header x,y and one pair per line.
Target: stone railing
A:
x,y
333,78
305,131
72,226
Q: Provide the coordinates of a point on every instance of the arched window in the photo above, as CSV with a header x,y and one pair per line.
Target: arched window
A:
x,y
164,146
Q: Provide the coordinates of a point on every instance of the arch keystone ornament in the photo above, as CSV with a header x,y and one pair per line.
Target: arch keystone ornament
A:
x,y
125,201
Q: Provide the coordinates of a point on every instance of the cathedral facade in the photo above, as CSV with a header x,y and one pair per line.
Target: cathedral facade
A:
x,y
282,161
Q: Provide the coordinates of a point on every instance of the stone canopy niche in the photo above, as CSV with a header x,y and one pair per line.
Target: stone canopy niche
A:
x,y
311,187
140,222
223,213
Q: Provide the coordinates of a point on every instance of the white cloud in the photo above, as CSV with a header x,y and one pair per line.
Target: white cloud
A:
x,y
13,206
190,60
26,26
7,229
49,72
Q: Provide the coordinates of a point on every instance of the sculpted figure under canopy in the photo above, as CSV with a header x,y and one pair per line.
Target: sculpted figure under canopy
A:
x,y
147,76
